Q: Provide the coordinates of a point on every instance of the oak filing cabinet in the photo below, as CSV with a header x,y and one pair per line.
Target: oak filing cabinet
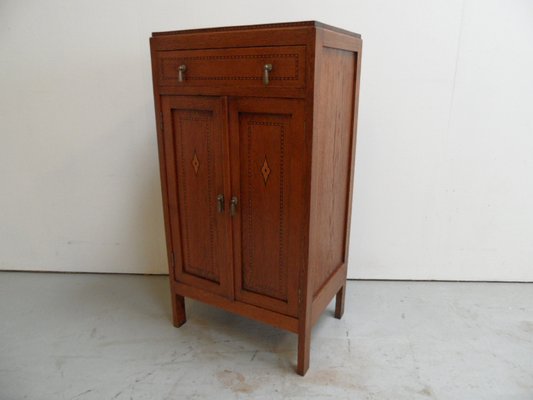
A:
x,y
257,128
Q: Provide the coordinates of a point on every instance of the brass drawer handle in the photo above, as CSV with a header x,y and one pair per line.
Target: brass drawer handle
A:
x,y
233,206
181,72
220,203
266,70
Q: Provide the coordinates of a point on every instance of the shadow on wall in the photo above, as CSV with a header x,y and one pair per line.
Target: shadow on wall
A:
x,y
147,213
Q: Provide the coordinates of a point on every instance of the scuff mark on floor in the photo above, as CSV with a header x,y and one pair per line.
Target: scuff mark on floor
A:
x,y
234,381
82,393
253,356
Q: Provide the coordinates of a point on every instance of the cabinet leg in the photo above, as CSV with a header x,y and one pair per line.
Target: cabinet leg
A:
x,y
304,350
178,310
339,302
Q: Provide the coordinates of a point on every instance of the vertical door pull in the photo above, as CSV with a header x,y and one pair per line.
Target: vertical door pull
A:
x,y
220,203
233,207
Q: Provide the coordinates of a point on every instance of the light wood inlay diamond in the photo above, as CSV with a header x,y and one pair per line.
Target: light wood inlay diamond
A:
x,y
265,170
195,163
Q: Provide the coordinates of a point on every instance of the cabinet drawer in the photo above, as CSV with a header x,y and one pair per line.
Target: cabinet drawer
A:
x,y
237,67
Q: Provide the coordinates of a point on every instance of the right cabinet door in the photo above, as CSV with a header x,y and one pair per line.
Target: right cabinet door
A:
x,y
269,181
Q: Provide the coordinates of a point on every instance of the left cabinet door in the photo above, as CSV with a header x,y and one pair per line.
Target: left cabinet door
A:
x,y
197,165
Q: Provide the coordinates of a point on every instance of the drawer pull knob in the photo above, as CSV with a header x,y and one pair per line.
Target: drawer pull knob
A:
x,y
233,207
220,203
266,70
181,72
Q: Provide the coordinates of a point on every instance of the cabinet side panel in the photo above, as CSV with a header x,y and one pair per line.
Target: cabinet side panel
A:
x,y
333,127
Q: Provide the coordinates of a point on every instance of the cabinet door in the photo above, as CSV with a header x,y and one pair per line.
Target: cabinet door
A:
x,y
197,164
268,167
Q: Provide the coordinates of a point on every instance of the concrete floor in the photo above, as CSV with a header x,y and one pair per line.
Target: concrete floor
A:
x,y
79,336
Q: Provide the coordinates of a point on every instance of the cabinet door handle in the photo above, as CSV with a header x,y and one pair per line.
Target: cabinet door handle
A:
x,y
220,203
266,71
181,72
233,206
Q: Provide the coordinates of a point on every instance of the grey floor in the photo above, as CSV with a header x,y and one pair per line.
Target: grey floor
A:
x,y
80,336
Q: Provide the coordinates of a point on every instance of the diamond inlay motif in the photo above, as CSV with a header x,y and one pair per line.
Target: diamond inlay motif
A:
x,y
265,170
195,163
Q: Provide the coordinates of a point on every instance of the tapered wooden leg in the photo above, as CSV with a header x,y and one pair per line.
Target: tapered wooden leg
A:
x,y
339,302
178,310
304,351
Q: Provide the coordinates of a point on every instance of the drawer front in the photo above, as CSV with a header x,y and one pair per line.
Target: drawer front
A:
x,y
238,67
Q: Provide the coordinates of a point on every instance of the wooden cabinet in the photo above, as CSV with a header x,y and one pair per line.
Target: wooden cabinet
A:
x,y
256,133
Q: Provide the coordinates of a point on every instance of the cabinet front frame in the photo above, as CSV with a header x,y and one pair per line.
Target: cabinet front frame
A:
x,y
303,96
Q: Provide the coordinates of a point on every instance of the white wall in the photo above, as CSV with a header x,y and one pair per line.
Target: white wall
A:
x,y
444,181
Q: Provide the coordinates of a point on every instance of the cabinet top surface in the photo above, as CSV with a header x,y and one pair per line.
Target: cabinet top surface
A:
x,y
262,26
